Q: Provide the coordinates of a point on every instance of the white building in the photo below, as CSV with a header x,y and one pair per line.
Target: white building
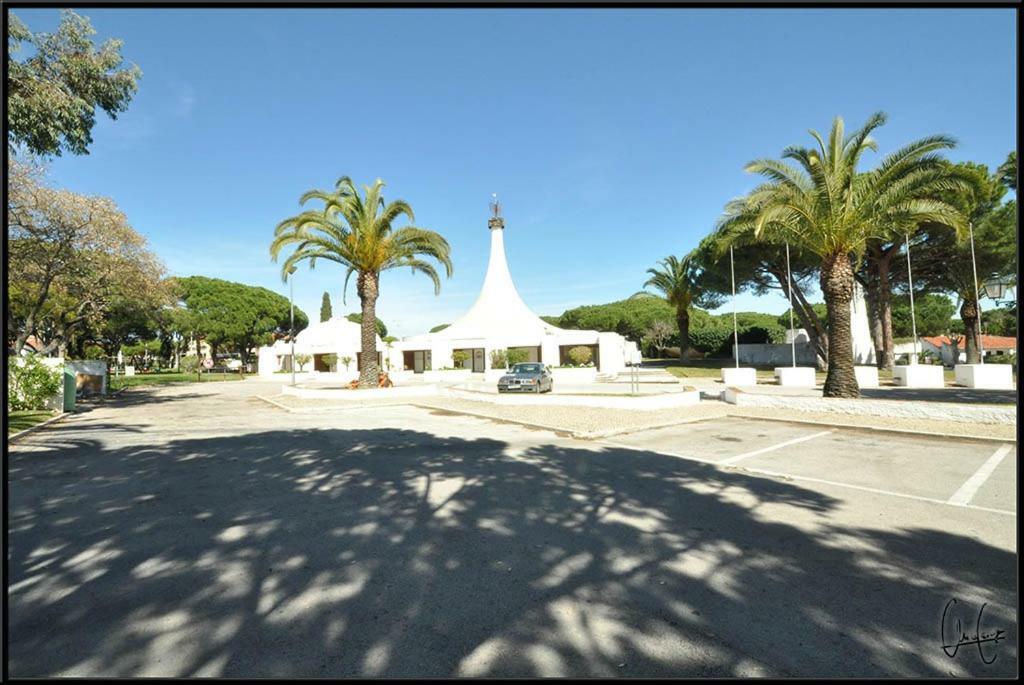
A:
x,y
337,336
500,320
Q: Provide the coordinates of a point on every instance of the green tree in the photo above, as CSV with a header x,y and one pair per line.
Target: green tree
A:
x,y
942,260
680,284
933,312
382,330
760,267
356,231
52,95
1007,172
325,307
331,360
440,327
827,207
222,312
302,360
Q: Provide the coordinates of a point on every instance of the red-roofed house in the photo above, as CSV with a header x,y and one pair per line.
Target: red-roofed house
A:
x,y
942,346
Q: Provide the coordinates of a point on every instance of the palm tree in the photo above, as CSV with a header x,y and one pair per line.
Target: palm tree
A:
x,y
826,206
678,280
356,232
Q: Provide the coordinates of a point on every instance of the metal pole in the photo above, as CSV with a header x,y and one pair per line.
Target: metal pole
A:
x,y
735,333
913,317
977,300
291,299
789,288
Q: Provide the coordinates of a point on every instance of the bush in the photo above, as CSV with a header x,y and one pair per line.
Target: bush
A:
x,y
516,356
712,339
460,357
499,360
189,364
580,355
32,384
331,360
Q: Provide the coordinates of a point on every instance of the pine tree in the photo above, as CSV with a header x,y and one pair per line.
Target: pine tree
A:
x,y
325,307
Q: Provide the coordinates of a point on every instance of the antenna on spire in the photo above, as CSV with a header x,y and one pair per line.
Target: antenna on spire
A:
x,y
495,221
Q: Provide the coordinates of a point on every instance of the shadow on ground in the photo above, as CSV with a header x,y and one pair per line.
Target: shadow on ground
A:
x,y
398,553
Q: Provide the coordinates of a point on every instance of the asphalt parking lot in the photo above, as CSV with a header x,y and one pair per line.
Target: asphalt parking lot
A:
x,y
193,531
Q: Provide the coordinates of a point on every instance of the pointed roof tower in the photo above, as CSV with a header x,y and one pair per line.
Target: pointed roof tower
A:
x,y
499,310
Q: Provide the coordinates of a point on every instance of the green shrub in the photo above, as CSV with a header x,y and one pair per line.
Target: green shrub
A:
x,y
302,360
580,355
331,360
516,355
189,364
460,357
711,340
31,384
499,360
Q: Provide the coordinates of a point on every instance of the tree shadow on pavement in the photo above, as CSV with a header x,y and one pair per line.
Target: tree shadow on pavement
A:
x,y
400,553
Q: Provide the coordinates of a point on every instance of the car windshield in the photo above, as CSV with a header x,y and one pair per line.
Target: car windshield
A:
x,y
527,368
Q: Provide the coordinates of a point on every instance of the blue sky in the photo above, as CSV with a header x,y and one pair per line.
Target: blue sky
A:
x,y
613,137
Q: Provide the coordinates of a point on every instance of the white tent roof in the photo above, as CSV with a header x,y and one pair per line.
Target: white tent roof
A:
x,y
499,311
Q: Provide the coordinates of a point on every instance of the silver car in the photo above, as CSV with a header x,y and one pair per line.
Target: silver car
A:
x,y
526,377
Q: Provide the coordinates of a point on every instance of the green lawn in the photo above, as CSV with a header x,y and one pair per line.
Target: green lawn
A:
x,y
18,421
118,382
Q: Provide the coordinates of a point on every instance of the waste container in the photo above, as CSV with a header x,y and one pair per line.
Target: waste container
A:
x,y
70,386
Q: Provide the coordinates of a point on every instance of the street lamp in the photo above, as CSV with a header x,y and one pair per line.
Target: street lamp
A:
x,y
291,301
998,286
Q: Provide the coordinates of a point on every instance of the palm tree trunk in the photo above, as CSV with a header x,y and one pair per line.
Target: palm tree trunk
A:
x,y
837,287
972,332
367,287
683,321
888,355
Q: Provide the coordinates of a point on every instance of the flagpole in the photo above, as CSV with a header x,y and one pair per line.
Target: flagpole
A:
x,y
977,299
735,332
913,317
789,287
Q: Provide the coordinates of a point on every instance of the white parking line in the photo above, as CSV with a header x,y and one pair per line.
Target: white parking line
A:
x,y
779,474
971,486
739,457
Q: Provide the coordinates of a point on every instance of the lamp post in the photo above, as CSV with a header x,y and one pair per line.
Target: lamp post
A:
x,y
997,286
291,328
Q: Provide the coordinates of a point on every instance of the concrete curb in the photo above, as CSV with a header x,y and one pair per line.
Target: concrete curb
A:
x,y
479,415
885,429
47,422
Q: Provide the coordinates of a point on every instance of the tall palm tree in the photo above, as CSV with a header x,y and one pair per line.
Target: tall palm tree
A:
x,y
356,232
829,208
678,280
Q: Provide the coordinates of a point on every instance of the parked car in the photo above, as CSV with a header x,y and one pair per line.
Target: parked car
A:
x,y
526,377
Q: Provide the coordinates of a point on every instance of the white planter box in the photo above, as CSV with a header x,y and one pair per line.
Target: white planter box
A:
x,y
991,376
867,376
739,376
918,376
796,376
586,374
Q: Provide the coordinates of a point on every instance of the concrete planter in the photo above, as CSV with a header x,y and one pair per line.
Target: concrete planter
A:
x,y
739,376
867,376
796,376
989,376
918,376
585,374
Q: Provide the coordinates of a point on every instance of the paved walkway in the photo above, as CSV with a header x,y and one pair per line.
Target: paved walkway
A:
x,y
199,531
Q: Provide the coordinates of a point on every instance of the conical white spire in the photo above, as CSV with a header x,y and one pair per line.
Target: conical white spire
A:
x,y
498,310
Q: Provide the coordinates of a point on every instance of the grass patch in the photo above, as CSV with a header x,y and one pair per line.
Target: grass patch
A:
x,y
18,421
119,382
